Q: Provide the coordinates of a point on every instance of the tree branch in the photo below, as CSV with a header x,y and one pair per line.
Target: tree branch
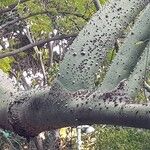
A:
x,y
40,42
94,42
51,108
38,13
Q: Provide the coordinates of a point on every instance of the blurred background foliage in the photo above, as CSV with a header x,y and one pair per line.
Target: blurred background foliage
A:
x,y
42,19
120,138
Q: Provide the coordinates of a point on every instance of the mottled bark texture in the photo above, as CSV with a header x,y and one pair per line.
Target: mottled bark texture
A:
x,y
52,108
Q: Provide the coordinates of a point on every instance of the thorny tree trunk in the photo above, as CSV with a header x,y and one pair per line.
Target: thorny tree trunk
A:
x,y
31,112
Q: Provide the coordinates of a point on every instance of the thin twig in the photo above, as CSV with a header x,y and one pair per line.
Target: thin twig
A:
x,y
39,55
50,52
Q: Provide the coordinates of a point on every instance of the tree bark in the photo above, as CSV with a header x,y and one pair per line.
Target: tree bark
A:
x,y
51,108
30,112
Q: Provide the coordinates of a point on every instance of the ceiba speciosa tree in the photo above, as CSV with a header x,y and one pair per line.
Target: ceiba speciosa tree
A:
x,y
73,98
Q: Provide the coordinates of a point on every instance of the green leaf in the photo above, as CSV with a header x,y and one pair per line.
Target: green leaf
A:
x,y
5,64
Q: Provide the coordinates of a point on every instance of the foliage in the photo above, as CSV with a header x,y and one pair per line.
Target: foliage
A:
x,y
103,2
5,3
114,138
5,64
